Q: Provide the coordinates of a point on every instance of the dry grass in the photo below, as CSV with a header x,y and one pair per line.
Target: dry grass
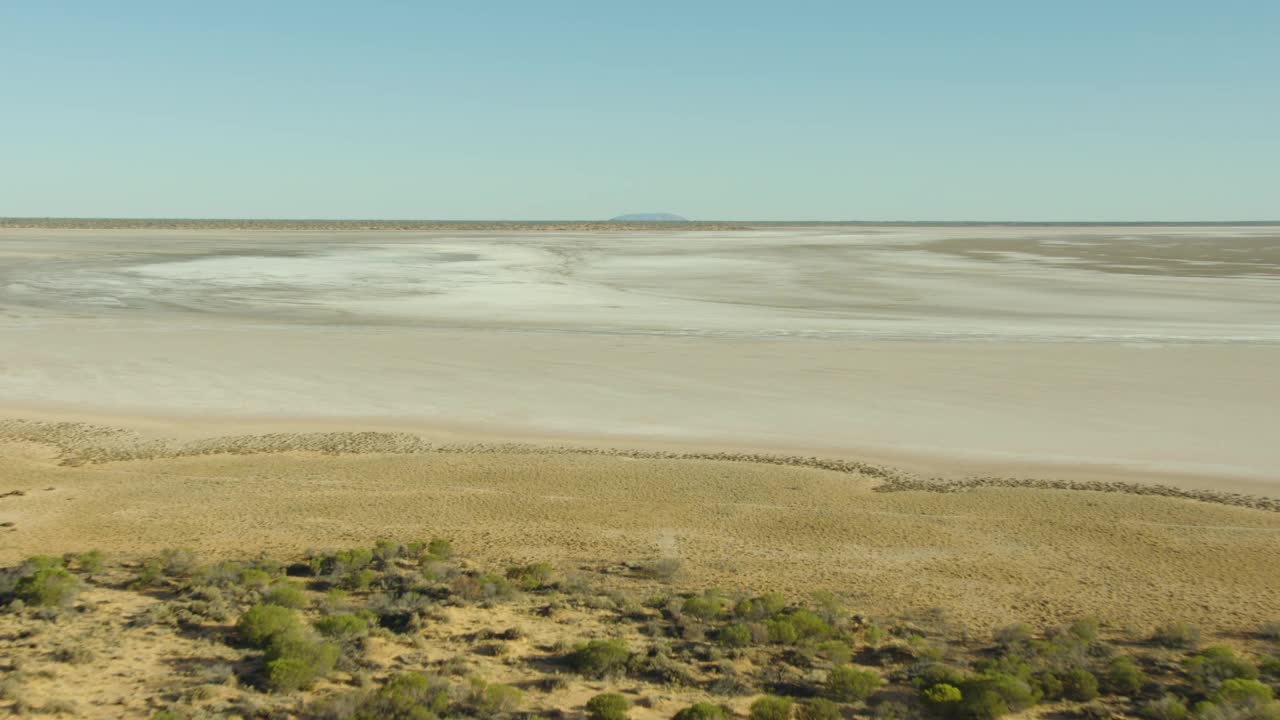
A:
x,y
982,555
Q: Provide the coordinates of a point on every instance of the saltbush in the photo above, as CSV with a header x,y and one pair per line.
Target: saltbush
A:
x,y
600,658
849,684
771,707
817,709
700,711
608,706
342,626
1167,707
531,577
1124,677
1207,670
47,587
1176,635
285,594
263,624
1080,685
942,697
738,635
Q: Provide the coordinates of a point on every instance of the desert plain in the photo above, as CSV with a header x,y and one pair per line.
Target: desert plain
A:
x,y
988,423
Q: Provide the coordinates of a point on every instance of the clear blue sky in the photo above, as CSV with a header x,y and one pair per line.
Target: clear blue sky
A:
x,y
1165,109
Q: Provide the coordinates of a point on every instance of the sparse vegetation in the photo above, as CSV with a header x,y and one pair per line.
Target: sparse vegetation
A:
x,y
763,655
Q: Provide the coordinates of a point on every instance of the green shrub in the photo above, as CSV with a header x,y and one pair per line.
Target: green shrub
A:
x,y
738,635
849,684
608,706
700,711
403,697
771,707
262,625
760,608
1240,692
1012,635
836,652
440,549
782,632
992,695
1049,685
874,635
1079,685
285,594
48,586
1177,635
600,658
358,579
703,607
1168,707
942,696
1124,677
809,626
894,710
295,661
254,579
91,562
497,699
177,562
531,577
1208,669
342,626
1085,629
386,551
817,709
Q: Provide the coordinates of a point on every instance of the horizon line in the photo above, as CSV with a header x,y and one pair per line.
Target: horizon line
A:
x,y
775,221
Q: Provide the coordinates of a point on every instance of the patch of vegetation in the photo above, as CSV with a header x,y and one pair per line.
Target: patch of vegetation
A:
x,y
816,657
600,658
608,706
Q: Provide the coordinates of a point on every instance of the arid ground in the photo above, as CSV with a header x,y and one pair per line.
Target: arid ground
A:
x,y
1009,423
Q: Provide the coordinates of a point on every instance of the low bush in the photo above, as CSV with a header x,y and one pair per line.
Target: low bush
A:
x,y
263,624
492,699
600,658
47,587
761,607
1208,669
608,706
91,562
531,577
404,697
1167,707
440,549
285,594
1124,677
700,711
849,684
817,709
993,695
342,626
1240,692
1177,635
737,636
771,707
1079,685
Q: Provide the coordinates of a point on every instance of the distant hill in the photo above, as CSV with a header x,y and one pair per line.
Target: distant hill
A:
x,y
649,217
